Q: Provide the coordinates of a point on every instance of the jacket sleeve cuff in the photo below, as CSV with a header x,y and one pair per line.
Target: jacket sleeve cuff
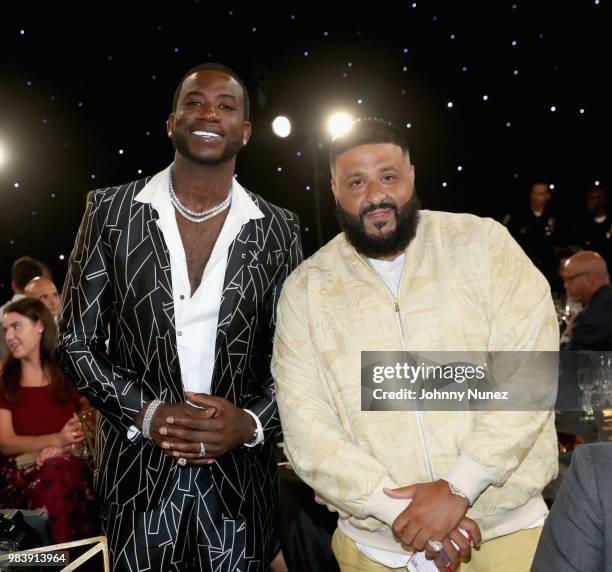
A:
x,y
470,476
382,507
260,433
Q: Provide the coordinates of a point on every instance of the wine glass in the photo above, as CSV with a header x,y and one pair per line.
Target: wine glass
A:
x,y
602,379
586,383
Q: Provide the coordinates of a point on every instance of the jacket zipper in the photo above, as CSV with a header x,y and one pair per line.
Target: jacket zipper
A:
x,y
419,414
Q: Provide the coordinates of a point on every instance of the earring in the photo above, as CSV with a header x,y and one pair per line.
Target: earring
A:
x,y
40,332
244,141
169,133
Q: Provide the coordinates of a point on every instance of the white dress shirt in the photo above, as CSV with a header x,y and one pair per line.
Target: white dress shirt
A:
x,y
196,317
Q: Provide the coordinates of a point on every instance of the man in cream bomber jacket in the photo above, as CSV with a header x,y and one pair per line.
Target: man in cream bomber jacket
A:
x,y
399,278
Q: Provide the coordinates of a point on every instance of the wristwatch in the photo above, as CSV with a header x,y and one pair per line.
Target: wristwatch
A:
x,y
253,439
458,492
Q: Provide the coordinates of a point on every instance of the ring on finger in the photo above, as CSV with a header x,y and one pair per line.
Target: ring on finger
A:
x,y
436,545
202,450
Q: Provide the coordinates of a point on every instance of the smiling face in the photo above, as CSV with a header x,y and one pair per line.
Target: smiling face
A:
x,y
22,335
208,126
377,207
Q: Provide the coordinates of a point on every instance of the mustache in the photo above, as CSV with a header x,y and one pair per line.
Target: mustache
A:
x,y
374,207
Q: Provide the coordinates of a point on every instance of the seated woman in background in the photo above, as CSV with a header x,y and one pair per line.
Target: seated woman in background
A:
x,y
38,407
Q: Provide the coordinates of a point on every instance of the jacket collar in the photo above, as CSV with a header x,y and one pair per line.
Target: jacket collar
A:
x,y
153,193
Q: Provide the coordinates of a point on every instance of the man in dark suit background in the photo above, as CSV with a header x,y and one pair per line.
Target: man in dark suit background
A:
x,y
539,230
577,532
186,268
594,228
587,281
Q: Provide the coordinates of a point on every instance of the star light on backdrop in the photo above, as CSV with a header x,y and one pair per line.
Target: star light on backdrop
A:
x,y
337,124
487,109
281,126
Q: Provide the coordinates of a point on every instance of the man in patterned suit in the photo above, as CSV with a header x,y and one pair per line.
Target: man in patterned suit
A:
x,y
186,268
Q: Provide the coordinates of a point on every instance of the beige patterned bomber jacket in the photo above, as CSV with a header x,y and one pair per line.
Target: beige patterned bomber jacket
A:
x,y
466,285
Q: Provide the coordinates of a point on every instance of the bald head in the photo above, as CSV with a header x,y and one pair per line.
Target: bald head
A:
x,y
44,290
584,274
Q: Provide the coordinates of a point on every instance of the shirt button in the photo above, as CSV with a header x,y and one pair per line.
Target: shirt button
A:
x,y
182,296
179,333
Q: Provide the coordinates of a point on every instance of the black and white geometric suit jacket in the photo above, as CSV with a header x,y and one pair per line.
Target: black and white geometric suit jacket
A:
x,y
119,274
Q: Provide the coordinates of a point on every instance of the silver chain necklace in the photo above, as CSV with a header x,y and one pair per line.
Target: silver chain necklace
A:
x,y
194,216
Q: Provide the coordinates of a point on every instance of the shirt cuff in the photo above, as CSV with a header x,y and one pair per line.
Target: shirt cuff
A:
x,y
260,433
470,476
382,507
133,434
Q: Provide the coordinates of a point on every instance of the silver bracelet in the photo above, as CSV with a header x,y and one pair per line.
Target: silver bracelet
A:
x,y
148,417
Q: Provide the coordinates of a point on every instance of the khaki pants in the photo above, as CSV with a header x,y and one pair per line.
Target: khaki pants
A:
x,y
512,553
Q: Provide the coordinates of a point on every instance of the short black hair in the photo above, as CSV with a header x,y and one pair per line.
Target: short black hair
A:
x,y
367,131
213,66
24,269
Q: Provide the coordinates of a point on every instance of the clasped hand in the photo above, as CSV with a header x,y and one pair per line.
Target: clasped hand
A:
x,y
179,428
435,514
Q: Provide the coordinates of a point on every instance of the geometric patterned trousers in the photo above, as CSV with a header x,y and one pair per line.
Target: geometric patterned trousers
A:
x,y
185,532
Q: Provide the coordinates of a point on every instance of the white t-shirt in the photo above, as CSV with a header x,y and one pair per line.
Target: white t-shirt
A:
x,y
390,271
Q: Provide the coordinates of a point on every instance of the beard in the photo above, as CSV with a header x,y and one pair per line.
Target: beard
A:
x,y
406,222
229,152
